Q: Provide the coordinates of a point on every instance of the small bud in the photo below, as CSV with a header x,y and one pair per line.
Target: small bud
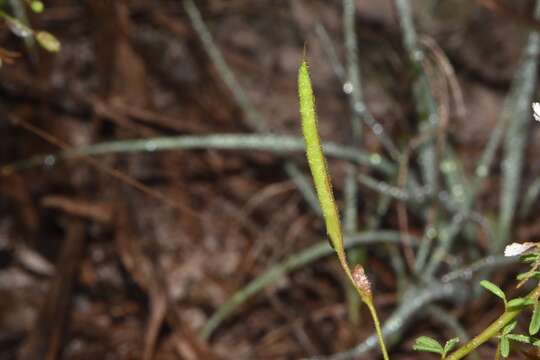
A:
x,y
37,6
48,41
515,249
536,111
361,280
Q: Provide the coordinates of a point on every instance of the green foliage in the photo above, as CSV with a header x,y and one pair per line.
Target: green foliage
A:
x,y
519,303
506,338
425,343
532,258
524,339
504,346
494,289
528,275
504,342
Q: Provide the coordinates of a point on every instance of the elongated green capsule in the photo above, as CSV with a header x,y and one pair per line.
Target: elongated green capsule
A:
x,y
319,172
316,160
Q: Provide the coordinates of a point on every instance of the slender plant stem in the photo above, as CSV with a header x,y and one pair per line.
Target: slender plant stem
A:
x,y
271,143
378,330
493,329
367,298
425,103
19,11
330,50
413,302
352,87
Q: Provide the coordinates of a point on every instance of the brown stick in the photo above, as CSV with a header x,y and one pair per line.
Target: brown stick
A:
x,y
45,340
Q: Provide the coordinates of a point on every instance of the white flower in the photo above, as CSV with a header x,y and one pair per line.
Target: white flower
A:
x,y
536,110
516,249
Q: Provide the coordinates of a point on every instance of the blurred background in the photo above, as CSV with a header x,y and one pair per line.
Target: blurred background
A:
x,y
155,201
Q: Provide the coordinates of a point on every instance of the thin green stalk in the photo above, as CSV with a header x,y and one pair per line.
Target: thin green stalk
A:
x,y
493,329
20,13
330,51
425,103
413,301
378,330
354,91
486,263
352,86
357,255
271,143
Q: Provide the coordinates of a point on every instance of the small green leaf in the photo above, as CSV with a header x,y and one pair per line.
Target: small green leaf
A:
x,y
521,338
425,343
508,328
505,346
529,275
534,325
520,302
494,289
48,41
450,344
523,276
